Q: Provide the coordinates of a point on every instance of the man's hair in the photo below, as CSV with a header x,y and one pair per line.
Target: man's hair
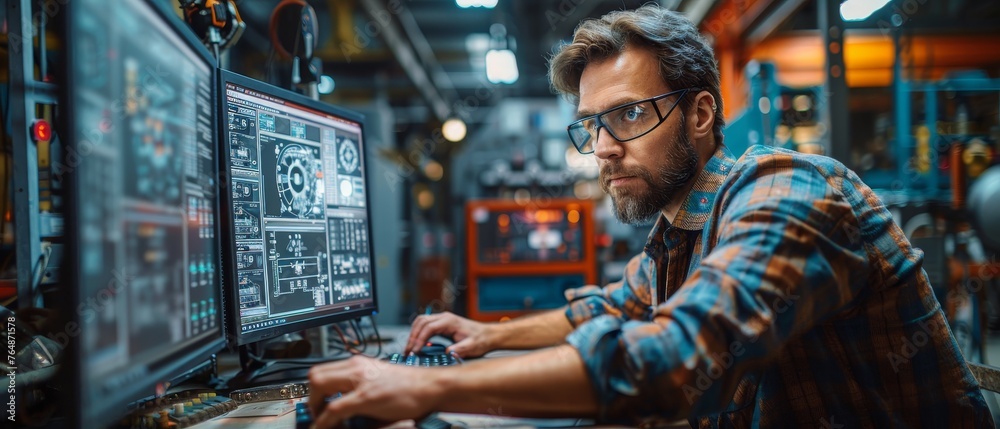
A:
x,y
686,59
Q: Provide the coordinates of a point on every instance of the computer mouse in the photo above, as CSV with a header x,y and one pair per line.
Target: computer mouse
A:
x,y
433,349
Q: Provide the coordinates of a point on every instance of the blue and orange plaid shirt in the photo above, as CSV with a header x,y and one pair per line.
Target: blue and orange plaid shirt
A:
x,y
782,295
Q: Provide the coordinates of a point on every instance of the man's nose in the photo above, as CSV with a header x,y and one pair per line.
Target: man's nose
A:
x,y
606,146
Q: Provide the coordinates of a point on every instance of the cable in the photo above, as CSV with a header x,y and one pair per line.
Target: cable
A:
x,y
378,337
360,335
39,273
343,339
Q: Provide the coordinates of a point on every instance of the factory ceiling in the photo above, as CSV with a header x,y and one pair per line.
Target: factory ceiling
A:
x,y
427,56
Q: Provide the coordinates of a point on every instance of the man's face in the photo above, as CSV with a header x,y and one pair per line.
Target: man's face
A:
x,y
646,174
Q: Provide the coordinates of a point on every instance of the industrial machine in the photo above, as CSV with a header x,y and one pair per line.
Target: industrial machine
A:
x,y
521,258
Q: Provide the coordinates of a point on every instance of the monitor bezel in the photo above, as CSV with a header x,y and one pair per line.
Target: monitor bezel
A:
x,y
108,410
230,289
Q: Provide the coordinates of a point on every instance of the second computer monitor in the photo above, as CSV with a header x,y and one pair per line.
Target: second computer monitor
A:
x,y
299,247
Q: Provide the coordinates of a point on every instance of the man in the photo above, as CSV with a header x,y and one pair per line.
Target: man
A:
x,y
774,291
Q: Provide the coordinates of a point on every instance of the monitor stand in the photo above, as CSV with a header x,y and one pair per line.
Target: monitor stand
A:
x,y
256,371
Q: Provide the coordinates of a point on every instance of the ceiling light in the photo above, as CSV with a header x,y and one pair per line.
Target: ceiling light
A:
x,y
326,84
487,4
453,129
859,10
501,66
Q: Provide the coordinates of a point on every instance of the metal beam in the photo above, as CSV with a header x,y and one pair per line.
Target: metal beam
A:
x,y
778,16
696,10
426,54
25,152
406,56
835,87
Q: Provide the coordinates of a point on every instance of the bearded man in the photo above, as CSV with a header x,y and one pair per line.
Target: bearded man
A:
x,y
774,290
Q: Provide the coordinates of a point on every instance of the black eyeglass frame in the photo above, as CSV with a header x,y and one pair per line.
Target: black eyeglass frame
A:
x,y
601,124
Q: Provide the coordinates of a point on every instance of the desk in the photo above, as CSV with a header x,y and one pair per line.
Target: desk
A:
x,y
396,337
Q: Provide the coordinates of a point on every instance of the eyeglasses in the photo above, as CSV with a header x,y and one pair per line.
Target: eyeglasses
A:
x,y
626,122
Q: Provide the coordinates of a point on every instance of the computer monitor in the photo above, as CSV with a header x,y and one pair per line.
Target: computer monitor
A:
x,y
297,235
139,99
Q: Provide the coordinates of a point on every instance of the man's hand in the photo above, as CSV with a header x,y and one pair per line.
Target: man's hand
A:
x,y
472,339
373,389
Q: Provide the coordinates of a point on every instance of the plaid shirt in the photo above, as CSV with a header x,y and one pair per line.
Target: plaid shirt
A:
x,y
785,296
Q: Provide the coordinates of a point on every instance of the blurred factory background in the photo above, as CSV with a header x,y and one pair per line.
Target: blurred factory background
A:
x,y
456,125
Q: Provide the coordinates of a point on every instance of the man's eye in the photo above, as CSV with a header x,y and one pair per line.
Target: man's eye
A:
x,y
633,113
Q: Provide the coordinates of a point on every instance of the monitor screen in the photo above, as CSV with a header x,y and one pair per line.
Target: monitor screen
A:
x,y
300,249
141,109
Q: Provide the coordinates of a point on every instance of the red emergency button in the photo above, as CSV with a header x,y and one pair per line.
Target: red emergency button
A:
x,y
41,130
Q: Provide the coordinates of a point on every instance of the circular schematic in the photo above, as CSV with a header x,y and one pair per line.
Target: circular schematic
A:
x,y
300,181
348,157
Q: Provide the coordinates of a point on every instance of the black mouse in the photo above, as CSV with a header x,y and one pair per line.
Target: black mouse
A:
x,y
433,349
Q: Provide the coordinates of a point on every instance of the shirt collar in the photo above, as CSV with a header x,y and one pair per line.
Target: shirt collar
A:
x,y
697,205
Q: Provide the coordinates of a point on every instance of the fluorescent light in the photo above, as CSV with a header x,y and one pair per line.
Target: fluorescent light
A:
x,y
453,129
859,10
326,84
488,4
501,66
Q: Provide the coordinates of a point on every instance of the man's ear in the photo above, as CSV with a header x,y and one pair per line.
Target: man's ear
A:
x,y
701,122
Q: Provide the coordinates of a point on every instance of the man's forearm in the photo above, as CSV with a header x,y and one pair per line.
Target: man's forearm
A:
x,y
547,383
532,332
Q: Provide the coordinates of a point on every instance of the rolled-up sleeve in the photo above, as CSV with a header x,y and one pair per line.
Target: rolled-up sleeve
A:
x,y
628,298
787,255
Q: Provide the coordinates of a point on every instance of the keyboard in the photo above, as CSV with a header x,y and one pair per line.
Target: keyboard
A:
x,y
423,360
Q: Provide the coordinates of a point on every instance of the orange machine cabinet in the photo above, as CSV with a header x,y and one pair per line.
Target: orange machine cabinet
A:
x,y
521,257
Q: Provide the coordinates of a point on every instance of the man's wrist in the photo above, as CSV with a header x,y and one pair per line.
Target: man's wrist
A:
x,y
494,335
444,388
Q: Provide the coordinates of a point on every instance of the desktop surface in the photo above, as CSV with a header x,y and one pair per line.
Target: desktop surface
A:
x,y
395,337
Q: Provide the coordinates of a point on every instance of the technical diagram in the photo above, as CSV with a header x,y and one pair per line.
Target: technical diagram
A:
x,y
348,235
299,183
246,221
347,156
242,139
246,191
267,122
350,181
250,290
155,157
351,289
298,262
347,264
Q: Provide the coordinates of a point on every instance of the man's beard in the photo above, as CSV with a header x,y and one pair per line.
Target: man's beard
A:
x,y
642,207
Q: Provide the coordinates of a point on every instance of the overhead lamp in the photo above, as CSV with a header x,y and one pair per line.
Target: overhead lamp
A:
x,y
486,4
860,10
326,84
501,65
453,129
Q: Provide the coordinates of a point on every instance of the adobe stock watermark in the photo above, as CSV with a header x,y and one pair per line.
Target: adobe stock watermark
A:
x,y
450,293
724,361
563,11
12,369
364,34
426,147
912,344
830,423
48,8
727,17
89,309
901,13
